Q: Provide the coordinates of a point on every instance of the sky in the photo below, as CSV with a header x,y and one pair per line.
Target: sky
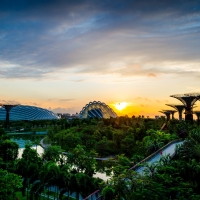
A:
x,y
61,54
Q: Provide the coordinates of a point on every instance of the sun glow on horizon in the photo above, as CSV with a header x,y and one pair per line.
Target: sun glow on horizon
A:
x,y
120,105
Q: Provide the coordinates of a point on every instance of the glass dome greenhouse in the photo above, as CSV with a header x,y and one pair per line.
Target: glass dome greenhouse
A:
x,y
24,112
97,109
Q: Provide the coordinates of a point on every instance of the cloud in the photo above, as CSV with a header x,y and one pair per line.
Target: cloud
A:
x,y
138,98
162,101
142,99
147,99
127,38
151,75
18,72
9,102
67,99
33,103
142,105
71,110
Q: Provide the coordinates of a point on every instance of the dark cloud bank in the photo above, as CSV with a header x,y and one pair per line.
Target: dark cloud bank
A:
x,y
41,37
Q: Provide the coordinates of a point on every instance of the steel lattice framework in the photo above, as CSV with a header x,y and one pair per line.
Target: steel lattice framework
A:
x,y
179,108
168,113
8,108
188,101
97,109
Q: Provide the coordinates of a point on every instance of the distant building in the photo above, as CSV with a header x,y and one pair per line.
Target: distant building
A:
x,y
68,115
75,115
59,114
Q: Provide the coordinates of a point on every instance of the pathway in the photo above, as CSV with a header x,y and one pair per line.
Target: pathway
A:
x,y
167,149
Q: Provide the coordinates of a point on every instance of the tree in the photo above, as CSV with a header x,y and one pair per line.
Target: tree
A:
x,y
153,146
29,172
81,160
191,146
165,183
71,141
36,142
2,132
47,178
28,167
97,135
31,156
8,150
117,137
102,147
9,183
108,193
52,153
64,180
128,144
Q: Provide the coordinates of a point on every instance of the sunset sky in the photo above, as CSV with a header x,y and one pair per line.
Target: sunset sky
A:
x,y
61,54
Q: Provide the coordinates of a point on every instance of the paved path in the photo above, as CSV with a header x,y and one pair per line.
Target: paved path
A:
x,y
44,145
168,150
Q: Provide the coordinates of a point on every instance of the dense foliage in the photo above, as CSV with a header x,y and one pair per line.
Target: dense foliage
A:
x,y
129,136
125,140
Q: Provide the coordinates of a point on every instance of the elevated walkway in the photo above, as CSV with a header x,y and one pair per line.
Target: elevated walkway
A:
x,y
168,149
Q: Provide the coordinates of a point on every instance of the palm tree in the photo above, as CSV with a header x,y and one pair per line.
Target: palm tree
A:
x,y
165,160
74,185
61,179
150,169
81,184
64,181
53,178
29,172
47,177
50,174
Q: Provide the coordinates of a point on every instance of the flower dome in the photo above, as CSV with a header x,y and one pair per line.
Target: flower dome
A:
x,y
24,112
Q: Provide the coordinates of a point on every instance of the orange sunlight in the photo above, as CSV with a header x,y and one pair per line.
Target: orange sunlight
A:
x,y
120,106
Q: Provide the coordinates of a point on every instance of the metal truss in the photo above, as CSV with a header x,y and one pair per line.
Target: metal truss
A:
x,y
97,109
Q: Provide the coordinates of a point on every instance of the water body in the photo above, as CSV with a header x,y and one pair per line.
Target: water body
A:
x,y
21,142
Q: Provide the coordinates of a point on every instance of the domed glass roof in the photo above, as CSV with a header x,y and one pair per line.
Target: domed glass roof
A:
x,y
97,109
23,112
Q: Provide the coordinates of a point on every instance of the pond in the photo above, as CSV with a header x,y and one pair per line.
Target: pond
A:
x,y
21,142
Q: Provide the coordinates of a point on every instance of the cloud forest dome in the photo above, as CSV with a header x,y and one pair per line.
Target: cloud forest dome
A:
x,y
24,112
97,109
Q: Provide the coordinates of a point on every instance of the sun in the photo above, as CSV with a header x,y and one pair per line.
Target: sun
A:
x,y
120,106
